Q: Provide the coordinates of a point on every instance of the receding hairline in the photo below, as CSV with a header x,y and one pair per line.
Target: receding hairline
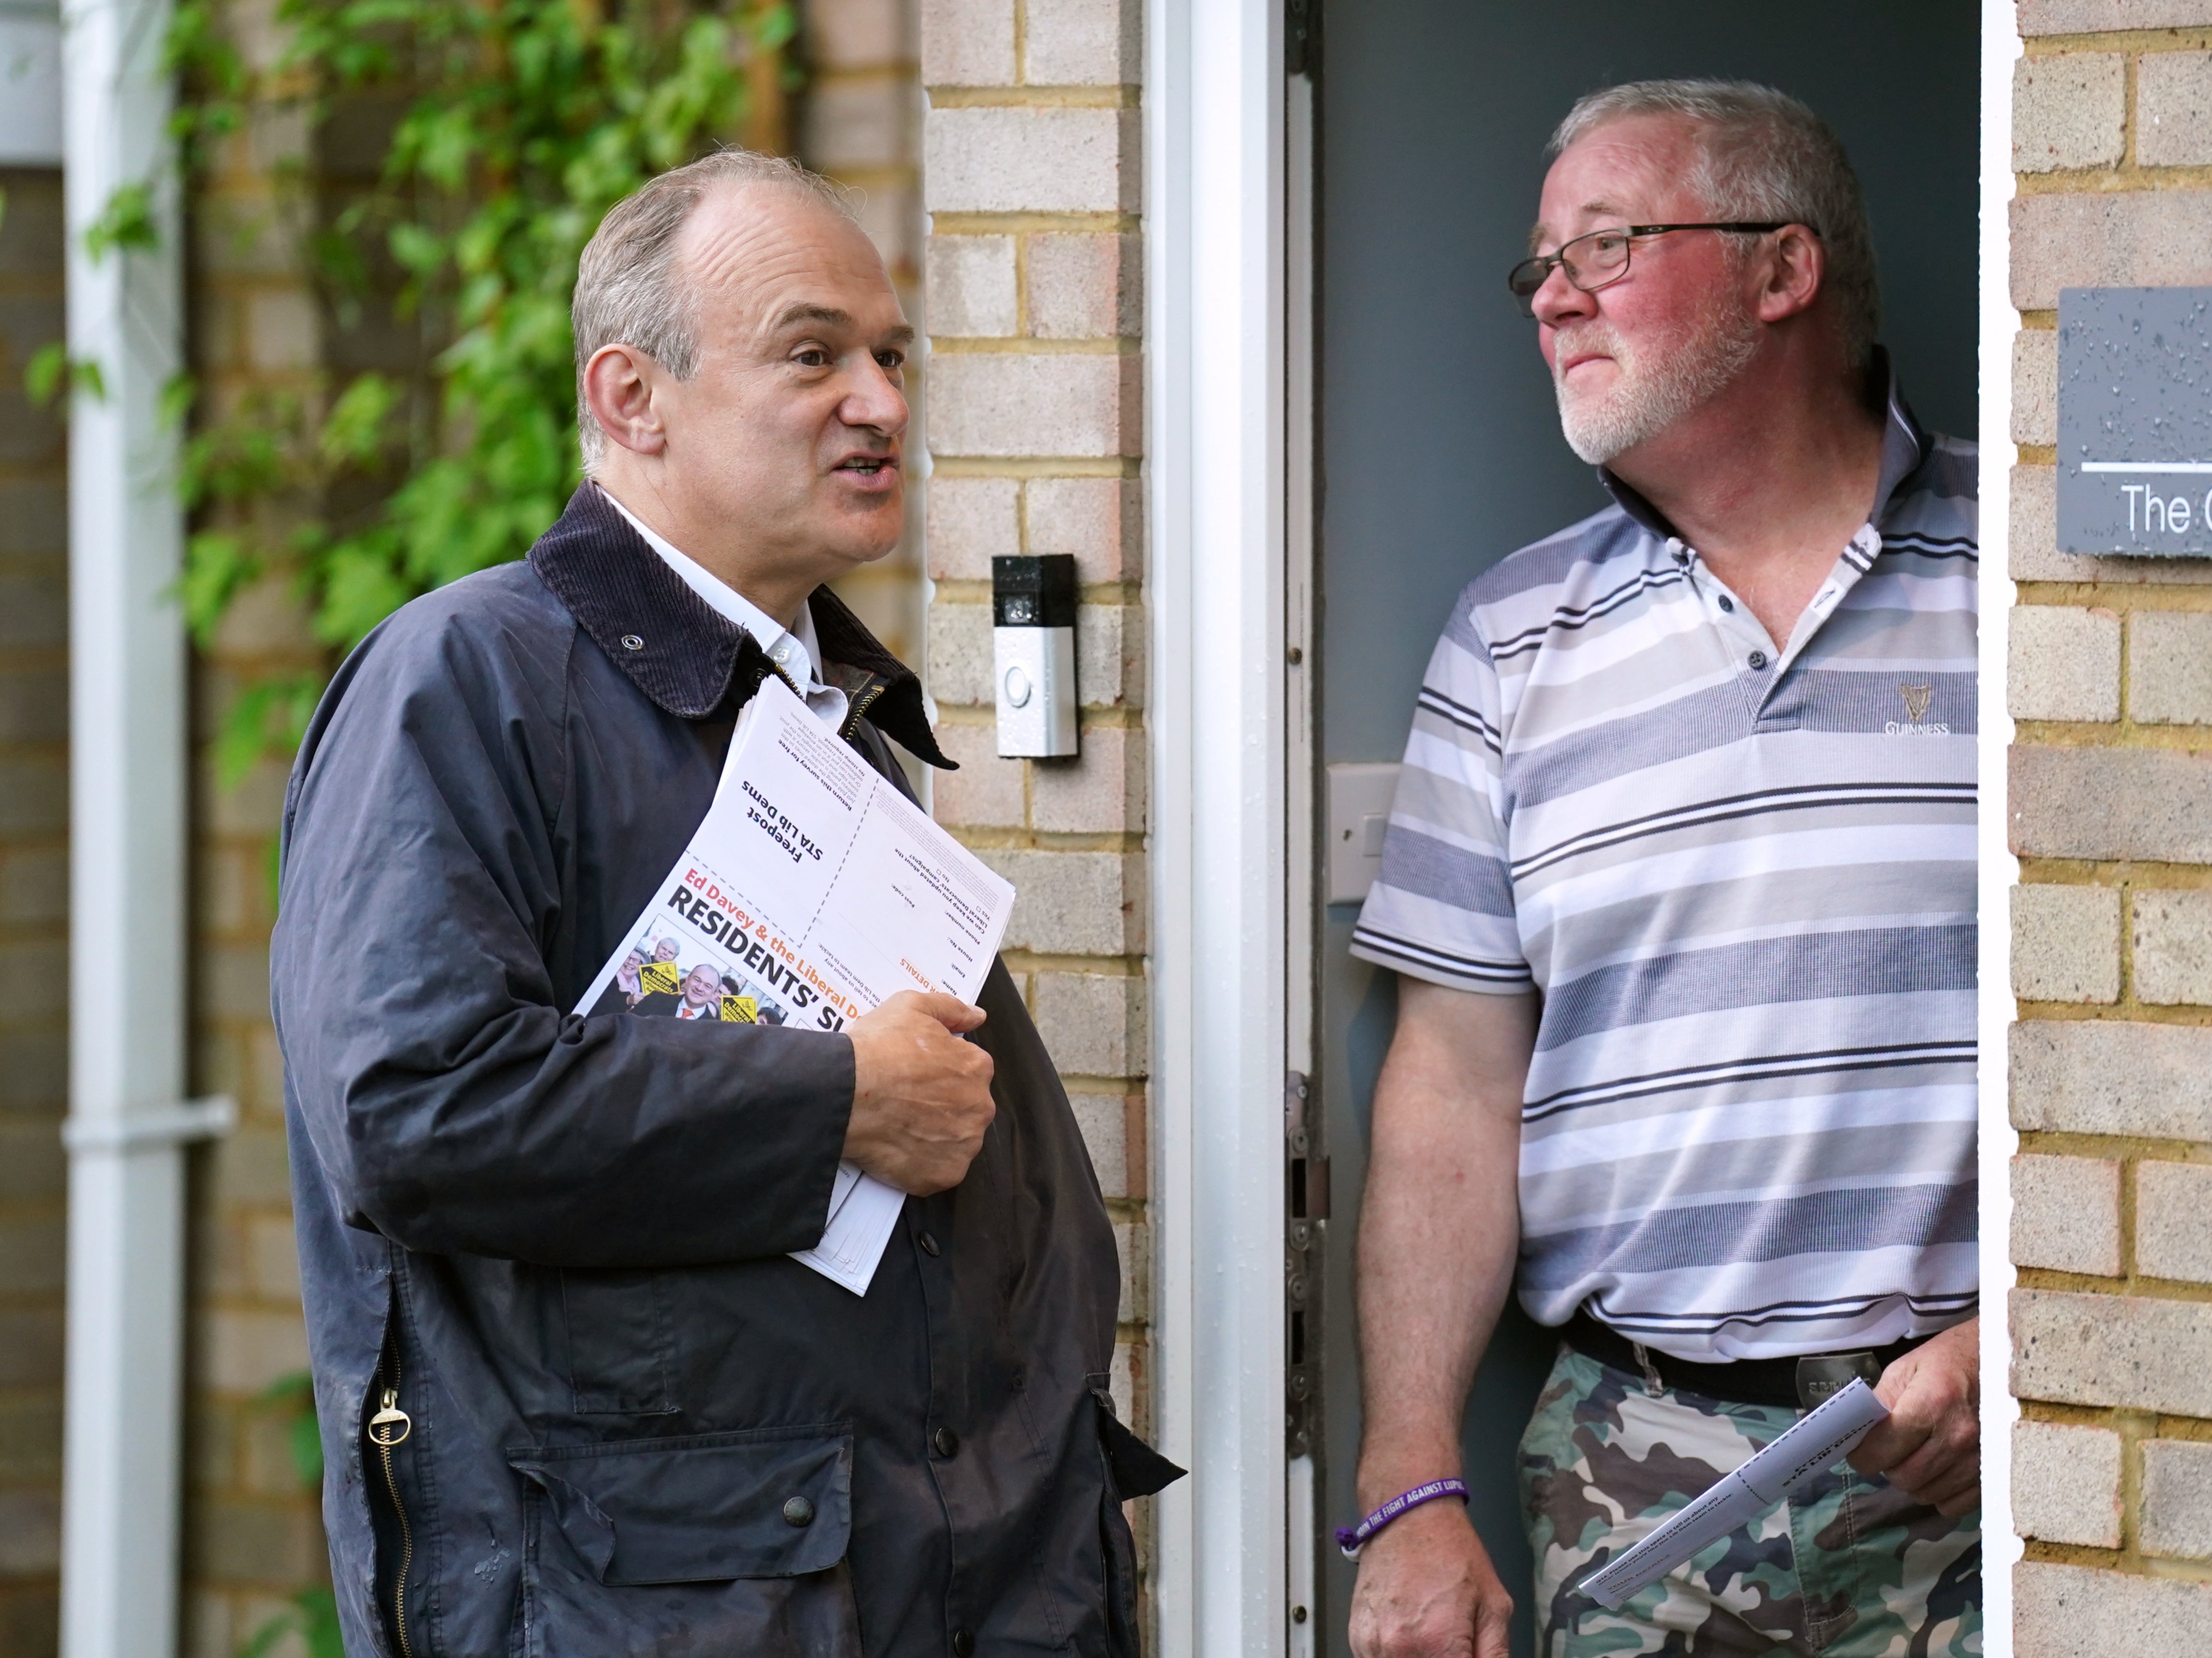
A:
x,y
685,252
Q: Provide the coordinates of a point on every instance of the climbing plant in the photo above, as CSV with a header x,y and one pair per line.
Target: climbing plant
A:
x,y
508,128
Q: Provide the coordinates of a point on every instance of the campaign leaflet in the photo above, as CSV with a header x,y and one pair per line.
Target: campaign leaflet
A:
x,y
1808,1447
813,890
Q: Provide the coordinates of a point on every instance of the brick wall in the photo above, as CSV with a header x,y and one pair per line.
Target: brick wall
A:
x,y
1031,183
253,1536
34,919
860,122
2110,796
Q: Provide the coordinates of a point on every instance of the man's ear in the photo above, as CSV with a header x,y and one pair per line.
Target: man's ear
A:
x,y
1796,267
619,383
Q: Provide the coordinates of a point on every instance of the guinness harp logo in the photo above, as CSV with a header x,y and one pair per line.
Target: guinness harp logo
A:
x,y
1916,701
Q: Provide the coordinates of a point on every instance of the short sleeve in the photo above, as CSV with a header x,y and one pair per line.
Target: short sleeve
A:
x,y
1442,909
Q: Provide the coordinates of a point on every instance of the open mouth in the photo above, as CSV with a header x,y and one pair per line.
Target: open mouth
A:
x,y
869,466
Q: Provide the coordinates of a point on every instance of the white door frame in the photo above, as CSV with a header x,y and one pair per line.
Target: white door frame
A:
x,y
1213,142
1998,868
1221,710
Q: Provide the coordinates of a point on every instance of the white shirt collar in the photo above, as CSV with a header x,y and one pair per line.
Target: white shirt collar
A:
x,y
796,651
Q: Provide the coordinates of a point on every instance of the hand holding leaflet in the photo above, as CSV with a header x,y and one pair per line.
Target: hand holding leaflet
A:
x,y
1816,1443
811,891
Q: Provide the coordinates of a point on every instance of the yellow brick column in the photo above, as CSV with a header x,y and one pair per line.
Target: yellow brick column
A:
x,y
862,125
1031,180
2110,799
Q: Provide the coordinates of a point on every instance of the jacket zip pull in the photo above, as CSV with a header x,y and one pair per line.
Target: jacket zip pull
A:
x,y
389,1427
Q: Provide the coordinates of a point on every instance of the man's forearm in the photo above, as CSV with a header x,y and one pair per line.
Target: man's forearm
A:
x,y
1440,1225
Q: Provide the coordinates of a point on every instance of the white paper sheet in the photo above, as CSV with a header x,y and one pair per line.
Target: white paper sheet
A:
x,y
812,891
1818,1440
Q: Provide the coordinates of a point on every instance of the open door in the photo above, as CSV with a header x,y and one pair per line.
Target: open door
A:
x,y
1437,451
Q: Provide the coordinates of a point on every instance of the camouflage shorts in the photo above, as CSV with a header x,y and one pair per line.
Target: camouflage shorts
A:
x,y
1852,1568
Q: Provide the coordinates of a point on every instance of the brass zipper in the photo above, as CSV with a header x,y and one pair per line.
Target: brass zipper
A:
x,y
387,1429
860,704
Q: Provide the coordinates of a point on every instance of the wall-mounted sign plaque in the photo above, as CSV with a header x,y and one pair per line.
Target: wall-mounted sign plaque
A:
x,y
2135,421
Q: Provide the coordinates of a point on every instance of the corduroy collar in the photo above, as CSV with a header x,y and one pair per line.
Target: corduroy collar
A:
x,y
684,655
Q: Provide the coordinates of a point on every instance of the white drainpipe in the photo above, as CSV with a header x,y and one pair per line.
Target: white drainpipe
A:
x,y
129,1119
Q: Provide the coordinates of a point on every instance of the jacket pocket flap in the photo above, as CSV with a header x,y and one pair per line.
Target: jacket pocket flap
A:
x,y
1138,1469
706,1508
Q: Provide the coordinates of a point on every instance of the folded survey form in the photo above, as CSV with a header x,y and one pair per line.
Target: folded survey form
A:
x,y
811,891
1815,1443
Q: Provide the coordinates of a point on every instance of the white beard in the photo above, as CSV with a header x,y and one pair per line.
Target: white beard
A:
x,y
1657,383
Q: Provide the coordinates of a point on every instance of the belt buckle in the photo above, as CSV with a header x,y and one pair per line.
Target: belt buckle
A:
x,y
1821,1376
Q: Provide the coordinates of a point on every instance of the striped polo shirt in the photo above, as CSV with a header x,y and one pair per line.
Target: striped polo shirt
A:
x,y
1743,880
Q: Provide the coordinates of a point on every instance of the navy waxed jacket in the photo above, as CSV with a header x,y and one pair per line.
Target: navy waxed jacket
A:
x,y
550,1251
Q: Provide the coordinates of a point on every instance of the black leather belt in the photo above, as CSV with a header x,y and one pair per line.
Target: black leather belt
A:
x,y
1794,1384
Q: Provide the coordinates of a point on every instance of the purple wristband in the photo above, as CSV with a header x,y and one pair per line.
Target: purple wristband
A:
x,y
1352,1540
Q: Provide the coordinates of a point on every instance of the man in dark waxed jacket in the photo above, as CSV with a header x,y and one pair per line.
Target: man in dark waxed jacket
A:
x,y
576,1401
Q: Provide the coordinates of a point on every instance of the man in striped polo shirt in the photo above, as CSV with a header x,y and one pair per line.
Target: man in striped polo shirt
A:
x,y
1679,884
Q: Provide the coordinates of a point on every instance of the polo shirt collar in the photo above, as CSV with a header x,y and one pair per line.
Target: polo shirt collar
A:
x,y
688,658
1905,450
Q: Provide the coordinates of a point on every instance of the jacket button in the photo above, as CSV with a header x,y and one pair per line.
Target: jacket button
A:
x,y
797,1511
947,1441
632,642
964,1643
928,1244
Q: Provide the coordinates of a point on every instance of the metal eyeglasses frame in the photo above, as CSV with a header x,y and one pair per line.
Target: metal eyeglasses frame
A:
x,y
1531,273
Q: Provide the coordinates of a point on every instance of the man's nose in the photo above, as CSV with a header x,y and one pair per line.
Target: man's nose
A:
x,y
1559,302
874,401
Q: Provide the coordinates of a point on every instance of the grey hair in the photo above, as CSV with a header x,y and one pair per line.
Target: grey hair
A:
x,y
1766,156
629,291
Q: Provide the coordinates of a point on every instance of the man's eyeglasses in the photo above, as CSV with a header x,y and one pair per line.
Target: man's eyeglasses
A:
x,y
1600,257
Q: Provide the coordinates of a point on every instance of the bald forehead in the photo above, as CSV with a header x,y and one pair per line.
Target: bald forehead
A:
x,y
747,231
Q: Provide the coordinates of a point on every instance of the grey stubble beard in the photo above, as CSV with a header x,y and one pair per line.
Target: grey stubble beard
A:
x,y
1659,382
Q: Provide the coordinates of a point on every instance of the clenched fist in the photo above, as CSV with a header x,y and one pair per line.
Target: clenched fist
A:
x,y
921,1097
1426,1589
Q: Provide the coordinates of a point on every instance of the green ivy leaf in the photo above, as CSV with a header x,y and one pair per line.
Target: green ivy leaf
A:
x,y
216,564
266,723
126,224
46,372
53,373
355,429
516,124
178,396
319,1623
